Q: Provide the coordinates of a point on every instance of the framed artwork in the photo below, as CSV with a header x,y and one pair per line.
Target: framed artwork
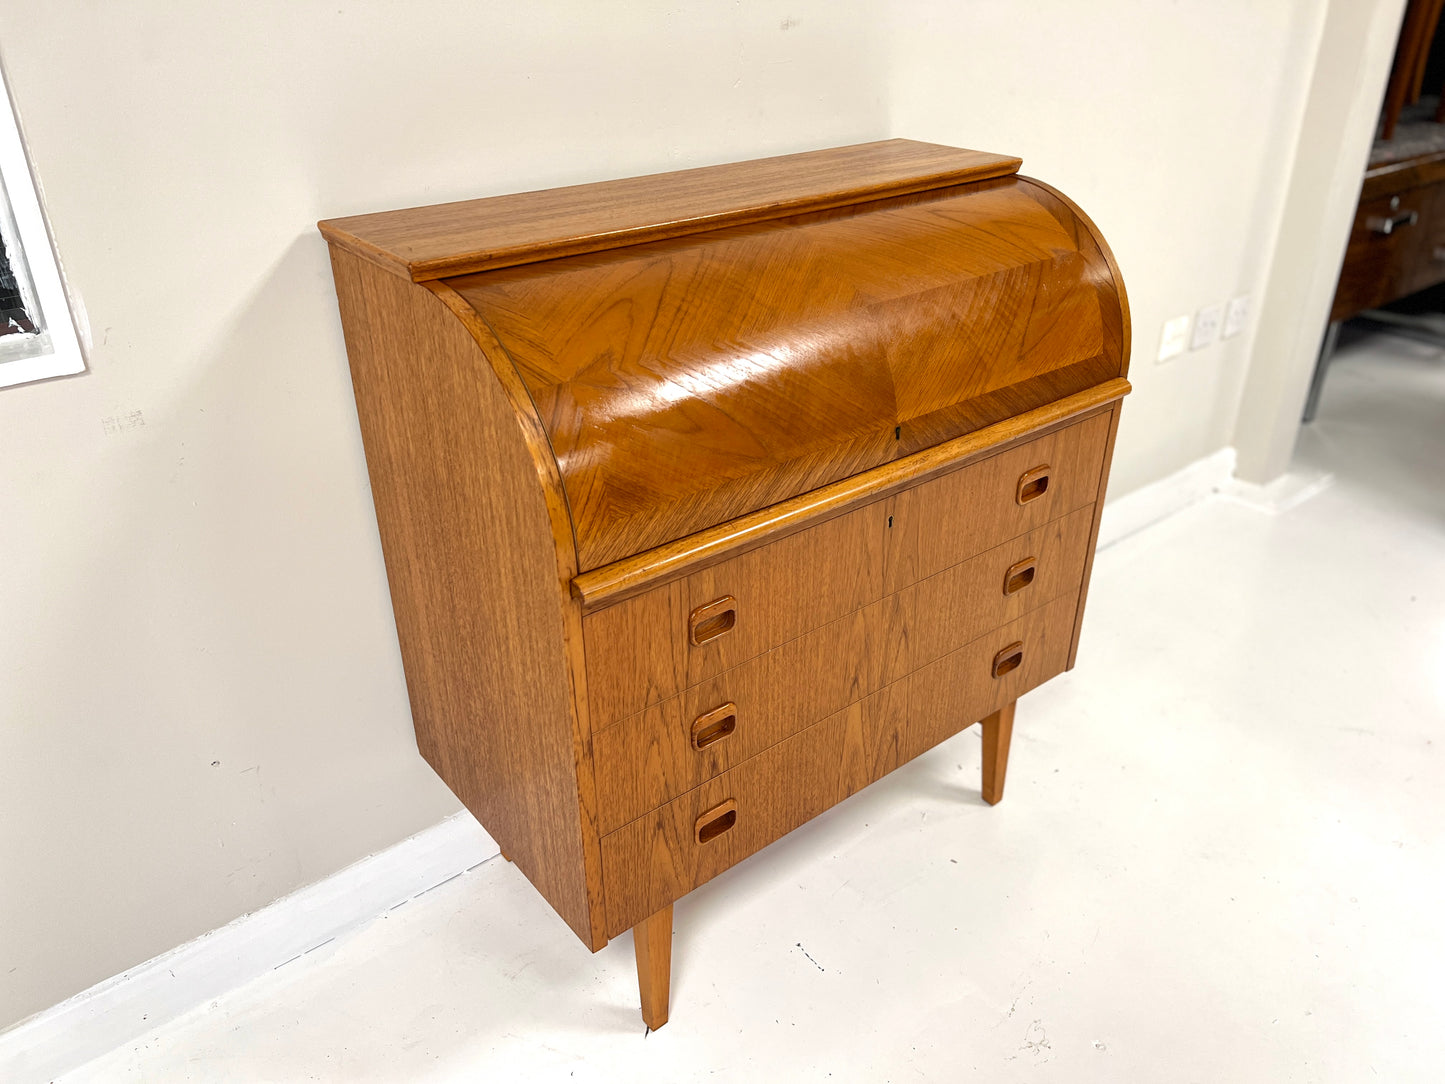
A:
x,y
37,332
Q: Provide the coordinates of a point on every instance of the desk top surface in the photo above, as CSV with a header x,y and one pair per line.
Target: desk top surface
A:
x,y
447,239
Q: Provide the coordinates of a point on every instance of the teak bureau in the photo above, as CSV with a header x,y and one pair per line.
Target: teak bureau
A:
x,y
709,498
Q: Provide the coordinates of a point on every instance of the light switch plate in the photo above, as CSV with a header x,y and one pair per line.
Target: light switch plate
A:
x,y
1175,338
1206,327
1236,315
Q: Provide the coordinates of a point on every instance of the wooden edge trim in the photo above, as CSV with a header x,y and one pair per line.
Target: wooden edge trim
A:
x,y
1391,178
466,263
632,575
469,263
359,246
528,422
1125,330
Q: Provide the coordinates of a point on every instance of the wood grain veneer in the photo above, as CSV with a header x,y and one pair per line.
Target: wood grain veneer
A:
x,y
650,757
708,498
634,575
657,858
639,648
483,641
686,382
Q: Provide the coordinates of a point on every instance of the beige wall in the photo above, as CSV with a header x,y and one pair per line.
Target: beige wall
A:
x,y
208,587
1172,125
201,702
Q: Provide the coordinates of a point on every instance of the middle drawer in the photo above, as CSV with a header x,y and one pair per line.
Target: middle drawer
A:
x,y
680,743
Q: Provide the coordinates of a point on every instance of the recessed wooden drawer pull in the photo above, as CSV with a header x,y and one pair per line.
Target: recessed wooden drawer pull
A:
x,y
714,725
712,619
716,821
1033,484
1020,575
1009,659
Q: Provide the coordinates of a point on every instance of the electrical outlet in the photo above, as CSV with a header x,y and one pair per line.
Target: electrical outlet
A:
x,y
1206,327
1236,316
1175,338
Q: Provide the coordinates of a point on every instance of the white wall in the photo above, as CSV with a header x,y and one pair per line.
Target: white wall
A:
x,y
1172,125
1335,135
201,702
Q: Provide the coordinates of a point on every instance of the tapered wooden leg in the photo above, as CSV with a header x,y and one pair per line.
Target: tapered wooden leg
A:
x,y
506,856
998,729
652,940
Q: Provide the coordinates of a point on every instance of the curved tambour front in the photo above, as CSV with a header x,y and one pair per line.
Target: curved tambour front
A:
x,y
685,382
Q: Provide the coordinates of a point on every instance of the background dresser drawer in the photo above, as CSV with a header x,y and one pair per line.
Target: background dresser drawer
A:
x,y
669,748
1390,252
657,858
948,519
642,650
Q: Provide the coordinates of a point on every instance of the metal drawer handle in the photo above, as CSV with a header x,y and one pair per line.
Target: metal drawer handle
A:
x,y
716,821
1385,226
1020,575
714,725
1033,484
1009,659
712,619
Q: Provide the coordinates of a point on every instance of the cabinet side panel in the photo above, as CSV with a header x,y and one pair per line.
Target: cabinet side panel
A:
x,y
473,573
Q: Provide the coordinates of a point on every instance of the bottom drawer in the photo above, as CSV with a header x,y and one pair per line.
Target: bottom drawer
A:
x,y
659,857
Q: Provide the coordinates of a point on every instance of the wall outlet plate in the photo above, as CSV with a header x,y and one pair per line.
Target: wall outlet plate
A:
x,y
1206,327
1174,339
1236,315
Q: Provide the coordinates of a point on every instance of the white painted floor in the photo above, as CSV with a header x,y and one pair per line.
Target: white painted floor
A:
x,y
1221,856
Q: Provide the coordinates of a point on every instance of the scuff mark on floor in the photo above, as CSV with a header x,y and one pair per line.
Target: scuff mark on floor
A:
x,y
812,961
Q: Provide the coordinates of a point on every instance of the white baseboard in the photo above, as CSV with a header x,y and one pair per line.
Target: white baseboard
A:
x,y
1147,505
1285,492
118,1010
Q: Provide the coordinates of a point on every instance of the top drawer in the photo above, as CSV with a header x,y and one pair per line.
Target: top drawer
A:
x,y
655,645
946,520
1387,255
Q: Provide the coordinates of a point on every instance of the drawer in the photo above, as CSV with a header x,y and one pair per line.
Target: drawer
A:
x,y
641,651
657,858
671,747
1381,266
948,519
1428,267
645,649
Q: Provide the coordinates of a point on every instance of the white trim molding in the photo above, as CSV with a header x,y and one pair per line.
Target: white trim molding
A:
x,y
120,1009
1147,505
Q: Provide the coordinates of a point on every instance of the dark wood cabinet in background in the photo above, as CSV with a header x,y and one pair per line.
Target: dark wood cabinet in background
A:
x,y
1397,241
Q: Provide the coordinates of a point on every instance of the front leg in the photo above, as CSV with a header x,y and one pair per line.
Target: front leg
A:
x,y
998,730
652,941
